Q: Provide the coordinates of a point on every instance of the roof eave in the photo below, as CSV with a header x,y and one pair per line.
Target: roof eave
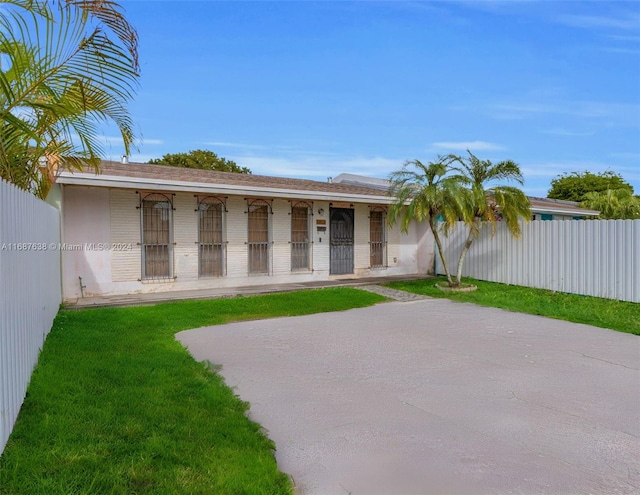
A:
x,y
92,180
559,211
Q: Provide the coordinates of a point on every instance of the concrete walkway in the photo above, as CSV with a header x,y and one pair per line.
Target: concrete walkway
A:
x,y
396,295
433,396
221,292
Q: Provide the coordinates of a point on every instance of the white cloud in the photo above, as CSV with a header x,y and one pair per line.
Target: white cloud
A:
x,y
631,21
602,109
564,132
504,7
274,148
627,155
515,111
117,140
467,145
612,113
225,144
152,141
632,38
111,139
629,51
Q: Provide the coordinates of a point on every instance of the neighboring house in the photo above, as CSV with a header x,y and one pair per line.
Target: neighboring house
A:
x,y
541,208
138,228
556,209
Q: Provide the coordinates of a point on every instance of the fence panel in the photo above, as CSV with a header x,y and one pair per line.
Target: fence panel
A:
x,y
30,293
590,257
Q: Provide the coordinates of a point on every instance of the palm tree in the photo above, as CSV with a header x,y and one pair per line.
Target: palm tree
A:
x,y
613,204
426,192
68,67
486,201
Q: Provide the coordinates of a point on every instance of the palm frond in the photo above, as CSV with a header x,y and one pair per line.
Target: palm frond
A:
x,y
66,76
111,14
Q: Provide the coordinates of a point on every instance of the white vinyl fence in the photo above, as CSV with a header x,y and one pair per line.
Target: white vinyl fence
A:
x,y
590,257
30,293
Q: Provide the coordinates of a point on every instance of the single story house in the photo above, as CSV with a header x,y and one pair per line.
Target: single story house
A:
x,y
557,209
139,228
136,228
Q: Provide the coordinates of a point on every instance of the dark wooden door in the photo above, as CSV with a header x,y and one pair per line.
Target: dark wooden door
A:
x,y
341,240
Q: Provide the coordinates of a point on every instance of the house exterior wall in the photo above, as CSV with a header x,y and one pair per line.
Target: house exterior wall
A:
x,y
554,216
86,237
321,244
125,231
107,224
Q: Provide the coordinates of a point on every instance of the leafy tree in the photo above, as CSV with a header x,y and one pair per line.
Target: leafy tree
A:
x,y
613,204
68,67
486,201
573,186
202,159
426,192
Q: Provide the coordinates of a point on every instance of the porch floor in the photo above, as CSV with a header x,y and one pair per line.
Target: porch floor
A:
x,y
221,292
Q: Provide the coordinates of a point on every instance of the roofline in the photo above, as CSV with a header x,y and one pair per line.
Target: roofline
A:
x,y
123,182
582,212
113,181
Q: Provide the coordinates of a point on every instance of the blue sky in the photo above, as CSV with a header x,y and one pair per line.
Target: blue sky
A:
x,y
313,89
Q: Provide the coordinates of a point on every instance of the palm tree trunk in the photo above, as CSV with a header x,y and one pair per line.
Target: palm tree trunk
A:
x,y
436,236
472,233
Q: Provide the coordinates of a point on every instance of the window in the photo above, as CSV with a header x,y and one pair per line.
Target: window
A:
x,y
377,243
211,243
156,233
258,236
300,236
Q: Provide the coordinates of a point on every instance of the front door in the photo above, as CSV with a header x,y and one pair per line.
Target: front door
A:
x,y
341,240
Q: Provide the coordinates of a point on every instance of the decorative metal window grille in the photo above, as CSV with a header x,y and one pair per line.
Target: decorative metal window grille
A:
x,y
301,236
211,237
258,236
156,233
377,241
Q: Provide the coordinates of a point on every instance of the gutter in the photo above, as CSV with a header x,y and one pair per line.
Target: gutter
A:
x,y
90,180
571,212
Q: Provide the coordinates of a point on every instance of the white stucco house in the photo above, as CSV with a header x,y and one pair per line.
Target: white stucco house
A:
x,y
136,228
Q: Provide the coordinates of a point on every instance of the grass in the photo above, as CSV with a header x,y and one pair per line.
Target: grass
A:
x,y
605,313
117,406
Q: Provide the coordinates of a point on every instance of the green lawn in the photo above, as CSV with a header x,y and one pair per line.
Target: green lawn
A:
x,y
117,406
606,313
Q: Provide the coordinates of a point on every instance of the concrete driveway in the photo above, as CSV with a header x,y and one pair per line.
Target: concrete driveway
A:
x,y
438,397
